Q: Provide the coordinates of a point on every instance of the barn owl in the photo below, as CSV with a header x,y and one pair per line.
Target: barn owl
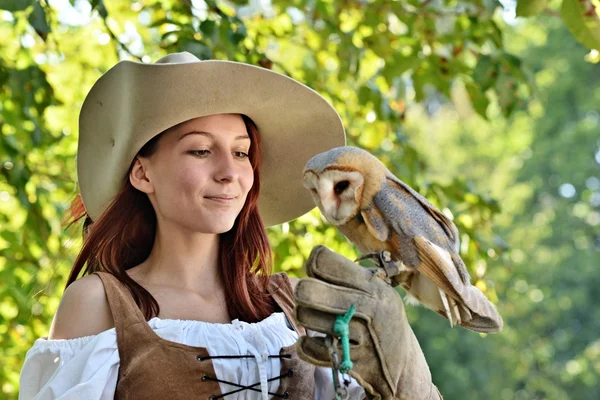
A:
x,y
416,244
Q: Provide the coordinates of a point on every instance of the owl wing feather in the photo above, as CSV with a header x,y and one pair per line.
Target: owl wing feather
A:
x,y
442,266
448,226
438,265
445,223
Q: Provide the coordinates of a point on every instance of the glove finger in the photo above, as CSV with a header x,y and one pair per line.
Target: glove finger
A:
x,y
332,267
314,350
323,322
323,296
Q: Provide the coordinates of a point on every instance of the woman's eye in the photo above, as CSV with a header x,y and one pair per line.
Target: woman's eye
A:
x,y
200,153
241,154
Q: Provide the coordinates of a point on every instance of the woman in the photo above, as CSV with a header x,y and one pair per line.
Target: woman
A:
x,y
181,165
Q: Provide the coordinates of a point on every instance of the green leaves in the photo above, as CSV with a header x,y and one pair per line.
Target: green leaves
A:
x,y
38,21
15,5
502,75
528,8
479,100
581,17
100,7
37,17
398,65
486,72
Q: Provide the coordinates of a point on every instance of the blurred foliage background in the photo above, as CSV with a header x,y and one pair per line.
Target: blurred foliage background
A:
x,y
493,117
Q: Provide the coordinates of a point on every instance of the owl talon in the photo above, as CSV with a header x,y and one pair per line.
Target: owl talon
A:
x,y
373,255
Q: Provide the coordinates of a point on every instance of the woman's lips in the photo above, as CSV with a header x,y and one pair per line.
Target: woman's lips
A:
x,y
223,200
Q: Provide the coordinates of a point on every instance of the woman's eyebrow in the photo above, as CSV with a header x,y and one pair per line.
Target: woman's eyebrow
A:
x,y
241,137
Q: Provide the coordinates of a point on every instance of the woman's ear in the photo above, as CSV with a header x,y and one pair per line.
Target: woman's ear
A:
x,y
139,175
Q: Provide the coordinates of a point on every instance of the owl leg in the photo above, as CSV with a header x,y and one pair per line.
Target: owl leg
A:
x,y
384,260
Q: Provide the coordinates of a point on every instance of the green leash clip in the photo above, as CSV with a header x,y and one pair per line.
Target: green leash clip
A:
x,y
341,328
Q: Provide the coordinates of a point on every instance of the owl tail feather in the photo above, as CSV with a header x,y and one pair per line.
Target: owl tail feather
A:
x,y
475,311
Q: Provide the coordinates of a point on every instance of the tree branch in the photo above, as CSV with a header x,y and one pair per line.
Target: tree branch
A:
x,y
123,45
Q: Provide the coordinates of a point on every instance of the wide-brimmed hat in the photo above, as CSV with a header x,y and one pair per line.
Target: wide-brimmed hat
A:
x,y
133,102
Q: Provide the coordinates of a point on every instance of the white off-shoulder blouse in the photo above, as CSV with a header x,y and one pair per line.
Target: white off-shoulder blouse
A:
x,y
86,368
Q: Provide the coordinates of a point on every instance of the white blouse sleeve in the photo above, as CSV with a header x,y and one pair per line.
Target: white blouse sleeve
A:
x,y
69,369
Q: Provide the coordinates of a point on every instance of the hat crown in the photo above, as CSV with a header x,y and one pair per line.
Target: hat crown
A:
x,y
178,58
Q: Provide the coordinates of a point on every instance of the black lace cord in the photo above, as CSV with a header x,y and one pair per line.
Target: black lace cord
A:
x,y
251,387
242,387
204,358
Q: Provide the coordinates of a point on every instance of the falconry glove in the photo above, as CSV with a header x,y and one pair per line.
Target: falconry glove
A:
x,y
386,357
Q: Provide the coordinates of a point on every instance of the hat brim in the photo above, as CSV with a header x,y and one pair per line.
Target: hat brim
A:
x,y
133,102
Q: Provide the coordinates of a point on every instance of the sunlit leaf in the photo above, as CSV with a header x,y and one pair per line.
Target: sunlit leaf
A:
x,y
15,5
37,19
528,8
479,100
581,17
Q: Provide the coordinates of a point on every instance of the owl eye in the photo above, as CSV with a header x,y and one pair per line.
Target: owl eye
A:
x,y
340,186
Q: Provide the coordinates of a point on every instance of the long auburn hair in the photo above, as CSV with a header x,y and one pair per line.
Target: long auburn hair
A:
x,y
123,236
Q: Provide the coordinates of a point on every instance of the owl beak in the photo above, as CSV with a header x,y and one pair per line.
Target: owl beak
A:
x,y
332,208
332,212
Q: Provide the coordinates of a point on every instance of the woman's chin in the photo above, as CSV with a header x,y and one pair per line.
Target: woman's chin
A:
x,y
214,224
219,228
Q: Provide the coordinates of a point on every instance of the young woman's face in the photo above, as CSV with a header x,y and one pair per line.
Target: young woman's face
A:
x,y
201,173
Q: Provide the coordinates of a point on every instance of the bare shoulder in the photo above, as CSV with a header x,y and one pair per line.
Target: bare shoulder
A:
x,y
83,310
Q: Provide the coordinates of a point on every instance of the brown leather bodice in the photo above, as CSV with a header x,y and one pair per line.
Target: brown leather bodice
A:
x,y
155,368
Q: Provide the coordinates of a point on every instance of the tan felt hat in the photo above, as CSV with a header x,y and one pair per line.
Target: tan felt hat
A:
x,y
133,102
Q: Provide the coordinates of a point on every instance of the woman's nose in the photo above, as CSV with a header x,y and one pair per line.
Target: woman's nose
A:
x,y
226,170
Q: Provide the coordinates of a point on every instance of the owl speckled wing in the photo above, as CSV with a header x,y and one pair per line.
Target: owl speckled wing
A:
x,y
414,210
427,240
443,221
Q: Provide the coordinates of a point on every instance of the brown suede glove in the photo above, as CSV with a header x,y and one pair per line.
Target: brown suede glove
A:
x,y
387,359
